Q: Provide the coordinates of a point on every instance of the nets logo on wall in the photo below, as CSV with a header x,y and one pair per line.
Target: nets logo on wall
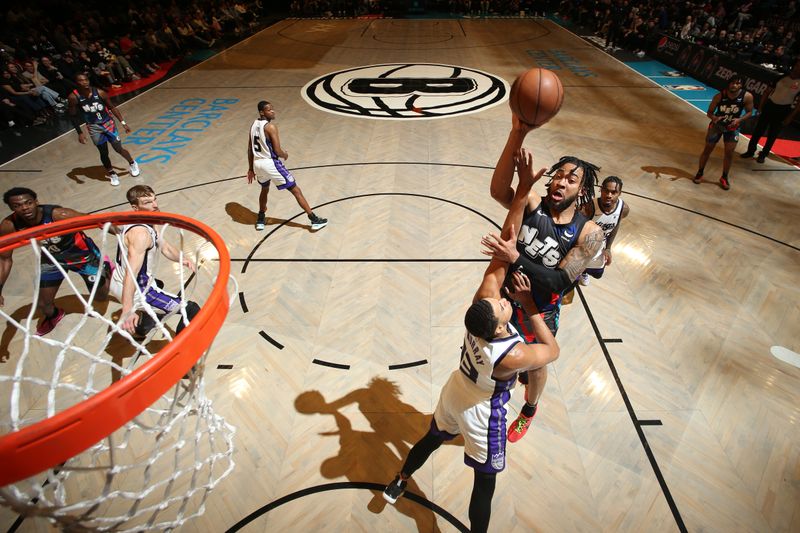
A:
x,y
684,87
406,91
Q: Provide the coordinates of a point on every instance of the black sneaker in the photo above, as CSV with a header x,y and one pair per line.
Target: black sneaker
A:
x,y
317,222
395,489
261,221
698,177
761,157
747,155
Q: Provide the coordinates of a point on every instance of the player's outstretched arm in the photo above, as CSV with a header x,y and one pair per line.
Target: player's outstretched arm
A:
x,y
497,269
503,174
173,254
63,213
137,241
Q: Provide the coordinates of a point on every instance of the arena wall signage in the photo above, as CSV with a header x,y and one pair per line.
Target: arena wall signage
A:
x,y
406,91
711,66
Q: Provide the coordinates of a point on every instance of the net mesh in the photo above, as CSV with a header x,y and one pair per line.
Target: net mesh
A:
x,y
157,470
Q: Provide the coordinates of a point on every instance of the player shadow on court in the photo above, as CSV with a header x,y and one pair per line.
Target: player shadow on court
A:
x,y
69,303
373,455
672,173
243,215
120,349
97,173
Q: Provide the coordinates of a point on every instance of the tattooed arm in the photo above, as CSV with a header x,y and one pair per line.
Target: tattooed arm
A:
x,y
590,243
554,280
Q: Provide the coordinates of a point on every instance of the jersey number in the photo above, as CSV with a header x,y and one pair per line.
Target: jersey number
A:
x,y
256,144
467,368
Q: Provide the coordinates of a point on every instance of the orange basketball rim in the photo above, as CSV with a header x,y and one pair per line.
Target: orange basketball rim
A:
x,y
52,441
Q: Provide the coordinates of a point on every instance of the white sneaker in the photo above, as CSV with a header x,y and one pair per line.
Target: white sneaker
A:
x,y
584,279
114,179
135,169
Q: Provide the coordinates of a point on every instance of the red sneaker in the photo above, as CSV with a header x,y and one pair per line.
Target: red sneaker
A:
x,y
724,183
48,324
520,426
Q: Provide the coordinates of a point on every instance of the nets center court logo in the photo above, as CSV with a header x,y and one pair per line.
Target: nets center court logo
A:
x,y
406,91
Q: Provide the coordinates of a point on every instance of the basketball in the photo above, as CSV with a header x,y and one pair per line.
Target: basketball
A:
x,y
536,96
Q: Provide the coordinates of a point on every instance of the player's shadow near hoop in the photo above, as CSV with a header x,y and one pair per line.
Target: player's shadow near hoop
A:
x,y
119,348
370,455
248,217
672,173
97,173
69,303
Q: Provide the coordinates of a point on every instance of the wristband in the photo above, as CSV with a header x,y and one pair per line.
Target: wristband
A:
x,y
123,123
78,130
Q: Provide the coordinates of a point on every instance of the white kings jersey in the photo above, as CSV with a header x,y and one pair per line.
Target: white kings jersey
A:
x,y
479,358
260,142
145,273
608,222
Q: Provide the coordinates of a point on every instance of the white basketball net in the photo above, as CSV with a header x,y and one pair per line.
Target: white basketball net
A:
x,y
157,470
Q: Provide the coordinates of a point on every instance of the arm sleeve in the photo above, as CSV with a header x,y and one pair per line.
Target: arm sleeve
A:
x,y
77,121
543,278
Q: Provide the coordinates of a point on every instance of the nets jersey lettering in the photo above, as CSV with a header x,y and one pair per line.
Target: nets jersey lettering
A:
x,y
93,107
547,249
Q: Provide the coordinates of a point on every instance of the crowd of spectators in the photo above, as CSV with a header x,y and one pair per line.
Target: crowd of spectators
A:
x,y
469,8
41,52
758,32
762,32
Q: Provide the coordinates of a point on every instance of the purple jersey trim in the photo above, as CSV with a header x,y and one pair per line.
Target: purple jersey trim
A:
x,y
496,437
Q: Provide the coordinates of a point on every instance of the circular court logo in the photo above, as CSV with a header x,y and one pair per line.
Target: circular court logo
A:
x,y
405,91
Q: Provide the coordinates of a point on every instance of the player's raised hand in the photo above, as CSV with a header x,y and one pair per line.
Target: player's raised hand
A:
x,y
502,250
524,162
520,289
522,127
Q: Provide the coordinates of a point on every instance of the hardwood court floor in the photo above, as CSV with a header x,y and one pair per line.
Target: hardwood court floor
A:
x,y
666,409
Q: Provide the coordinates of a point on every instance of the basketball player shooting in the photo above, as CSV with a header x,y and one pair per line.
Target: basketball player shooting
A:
x,y
472,401
555,244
